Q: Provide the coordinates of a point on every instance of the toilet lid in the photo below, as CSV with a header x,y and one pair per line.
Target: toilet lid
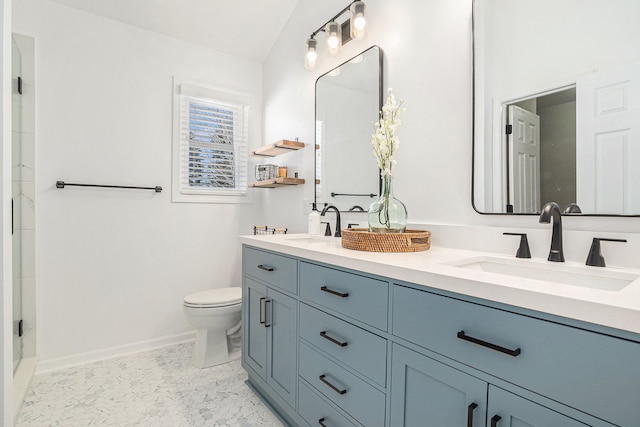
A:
x,y
215,297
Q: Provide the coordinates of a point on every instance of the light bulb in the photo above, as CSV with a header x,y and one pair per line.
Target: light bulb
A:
x,y
358,20
311,56
334,37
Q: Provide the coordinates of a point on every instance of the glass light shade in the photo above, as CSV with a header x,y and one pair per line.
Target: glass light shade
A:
x,y
311,55
334,37
358,20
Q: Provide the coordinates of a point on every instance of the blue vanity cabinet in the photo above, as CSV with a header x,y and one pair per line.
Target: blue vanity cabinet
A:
x,y
582,370
254,334
330,346
270,322
342,356
509,410
425,392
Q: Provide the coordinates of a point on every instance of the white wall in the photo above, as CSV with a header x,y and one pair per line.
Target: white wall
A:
x,y
114,265
428,62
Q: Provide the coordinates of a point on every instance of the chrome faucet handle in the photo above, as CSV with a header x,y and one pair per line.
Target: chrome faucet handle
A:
x,y
523,249
595,258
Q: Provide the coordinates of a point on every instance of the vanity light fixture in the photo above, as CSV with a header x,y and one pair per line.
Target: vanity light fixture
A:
x,y
356,25
358,21
311,57
334,37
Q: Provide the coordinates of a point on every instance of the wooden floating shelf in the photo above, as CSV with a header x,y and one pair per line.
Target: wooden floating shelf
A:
x,y
280,147
277,182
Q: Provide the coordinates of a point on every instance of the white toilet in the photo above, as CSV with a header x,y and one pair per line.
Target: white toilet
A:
x,y
215,313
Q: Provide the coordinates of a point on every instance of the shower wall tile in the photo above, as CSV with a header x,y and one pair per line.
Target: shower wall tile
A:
x,y
16,248
28,243
28,162
28,109
16,197
29,316
27,206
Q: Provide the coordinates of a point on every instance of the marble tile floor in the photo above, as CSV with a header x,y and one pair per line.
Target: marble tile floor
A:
x,y
155,388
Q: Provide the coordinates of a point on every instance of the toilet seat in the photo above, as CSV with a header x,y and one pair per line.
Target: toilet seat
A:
x,y
211,298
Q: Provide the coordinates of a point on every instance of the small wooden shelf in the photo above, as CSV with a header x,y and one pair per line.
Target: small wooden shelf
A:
x,y
277,182
280,147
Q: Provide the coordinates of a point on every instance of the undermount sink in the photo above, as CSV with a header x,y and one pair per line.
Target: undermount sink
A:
x,y
587,277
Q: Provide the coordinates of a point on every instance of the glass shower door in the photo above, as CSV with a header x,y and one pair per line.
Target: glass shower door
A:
x,y
16,190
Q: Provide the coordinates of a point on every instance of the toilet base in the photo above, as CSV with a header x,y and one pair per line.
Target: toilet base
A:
x,y
211,348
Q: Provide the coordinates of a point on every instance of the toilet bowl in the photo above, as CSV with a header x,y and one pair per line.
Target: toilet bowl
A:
x,y
215,313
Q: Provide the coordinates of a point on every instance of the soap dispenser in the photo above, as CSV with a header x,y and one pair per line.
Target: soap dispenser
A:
x,y
314,221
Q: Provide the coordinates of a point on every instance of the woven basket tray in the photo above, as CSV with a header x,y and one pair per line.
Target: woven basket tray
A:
x,y
361,239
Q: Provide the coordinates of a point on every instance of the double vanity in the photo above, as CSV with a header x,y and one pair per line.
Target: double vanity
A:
x,y
335,337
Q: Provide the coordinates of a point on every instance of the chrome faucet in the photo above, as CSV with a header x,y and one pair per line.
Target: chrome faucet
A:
x,y
552,210
331,207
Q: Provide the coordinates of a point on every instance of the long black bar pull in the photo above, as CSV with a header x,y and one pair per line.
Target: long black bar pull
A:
x,y
62,184
487,344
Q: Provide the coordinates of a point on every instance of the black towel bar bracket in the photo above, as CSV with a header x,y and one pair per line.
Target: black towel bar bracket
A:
x,y
62,184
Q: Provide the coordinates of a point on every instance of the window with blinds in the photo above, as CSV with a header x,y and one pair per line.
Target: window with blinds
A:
x,y
213,147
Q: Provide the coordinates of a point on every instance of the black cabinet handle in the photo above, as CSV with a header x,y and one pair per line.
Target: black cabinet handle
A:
x,y
262,316
265,267
324,335
266,313
470,410
332,292
334,388
492,346
494,420
321,422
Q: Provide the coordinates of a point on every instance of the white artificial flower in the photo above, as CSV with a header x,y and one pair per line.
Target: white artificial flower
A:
x,y
384,140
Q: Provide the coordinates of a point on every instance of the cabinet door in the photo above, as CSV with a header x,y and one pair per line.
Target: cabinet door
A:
x,y
282,314
254,353
509,410
427,392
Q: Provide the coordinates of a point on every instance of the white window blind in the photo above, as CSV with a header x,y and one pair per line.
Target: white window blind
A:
x,y
213,146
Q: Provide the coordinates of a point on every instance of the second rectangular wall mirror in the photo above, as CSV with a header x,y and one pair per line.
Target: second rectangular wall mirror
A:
x,y
556,106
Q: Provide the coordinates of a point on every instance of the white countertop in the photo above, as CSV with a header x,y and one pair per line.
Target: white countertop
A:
x,y
616,309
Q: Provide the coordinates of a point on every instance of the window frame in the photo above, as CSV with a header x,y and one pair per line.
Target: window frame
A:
x,y
215,95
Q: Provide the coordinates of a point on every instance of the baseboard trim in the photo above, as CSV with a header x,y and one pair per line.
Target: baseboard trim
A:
x,y
111,352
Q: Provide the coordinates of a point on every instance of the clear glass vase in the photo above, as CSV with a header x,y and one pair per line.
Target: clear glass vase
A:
x,y
387,214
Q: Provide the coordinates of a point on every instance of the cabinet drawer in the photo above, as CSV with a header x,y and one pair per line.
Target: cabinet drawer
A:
x,y
361,350
315,410
358,297
589,371
276,270
357,398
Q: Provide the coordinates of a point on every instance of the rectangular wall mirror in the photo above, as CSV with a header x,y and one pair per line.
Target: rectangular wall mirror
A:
x,y
348,99
556,106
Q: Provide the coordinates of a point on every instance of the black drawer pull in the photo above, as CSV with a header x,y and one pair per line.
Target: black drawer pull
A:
x,y
494,420
321,422
495,347
263,318
334,388
332,292
265,267
324,335
470,410
266,313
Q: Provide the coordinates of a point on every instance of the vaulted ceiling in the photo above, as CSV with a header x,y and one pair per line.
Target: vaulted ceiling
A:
x,y
244,28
